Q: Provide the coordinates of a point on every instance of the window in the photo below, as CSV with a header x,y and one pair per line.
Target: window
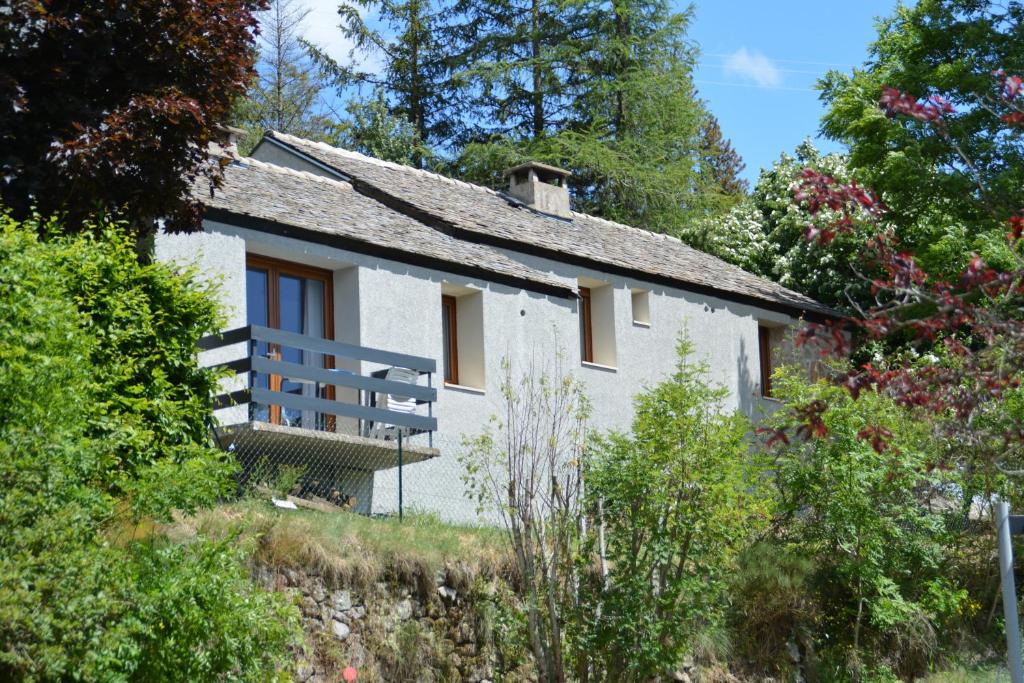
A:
x,y
296,298
450,332
586,326
641,307
462,331
597,322
764,343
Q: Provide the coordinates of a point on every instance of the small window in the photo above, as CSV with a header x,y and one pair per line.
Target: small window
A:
x,y
764,343
462,327
597,323
641,307
586,326
450,332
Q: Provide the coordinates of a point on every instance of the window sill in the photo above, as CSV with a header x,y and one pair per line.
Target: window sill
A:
x,y
640,323
463,388
598,366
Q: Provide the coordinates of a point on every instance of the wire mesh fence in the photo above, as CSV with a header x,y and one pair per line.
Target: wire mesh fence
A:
x,y
342,467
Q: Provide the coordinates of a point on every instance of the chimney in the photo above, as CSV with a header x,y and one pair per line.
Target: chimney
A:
x,y
540,187
233,135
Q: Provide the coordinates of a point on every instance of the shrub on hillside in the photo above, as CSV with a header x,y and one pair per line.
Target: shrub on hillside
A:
x,y
679,496
869,511
85,452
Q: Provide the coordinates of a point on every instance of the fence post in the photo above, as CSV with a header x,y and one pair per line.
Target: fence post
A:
x,y
400,484
1013,654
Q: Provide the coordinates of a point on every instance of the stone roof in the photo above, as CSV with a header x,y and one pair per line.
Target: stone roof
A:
x,y
286,197
482,215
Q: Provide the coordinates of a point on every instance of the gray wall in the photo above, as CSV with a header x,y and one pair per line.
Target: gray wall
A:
x,y
397,307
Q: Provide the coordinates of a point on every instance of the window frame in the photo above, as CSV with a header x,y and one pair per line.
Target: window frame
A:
x,y
586,326
449,309
274,268
764,346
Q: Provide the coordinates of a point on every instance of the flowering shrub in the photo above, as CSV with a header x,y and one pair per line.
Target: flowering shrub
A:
x,y
973,326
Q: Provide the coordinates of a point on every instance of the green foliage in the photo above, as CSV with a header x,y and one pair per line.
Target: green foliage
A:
x,y
766,234
947,48
374,130
415,79
150,399
869,519
680,497
624,117
73,603
284,94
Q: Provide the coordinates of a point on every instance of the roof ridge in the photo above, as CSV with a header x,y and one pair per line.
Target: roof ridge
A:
x,y
284,170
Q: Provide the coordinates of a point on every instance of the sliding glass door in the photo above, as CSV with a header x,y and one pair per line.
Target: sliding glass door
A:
x,y
295,298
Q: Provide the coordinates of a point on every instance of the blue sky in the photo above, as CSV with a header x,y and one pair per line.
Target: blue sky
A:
x,y
760,60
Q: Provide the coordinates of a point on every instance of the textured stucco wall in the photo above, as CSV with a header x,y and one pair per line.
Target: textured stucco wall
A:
x,y
397,307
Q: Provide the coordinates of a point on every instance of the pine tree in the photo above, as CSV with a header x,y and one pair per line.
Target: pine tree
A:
x,y
285,95
516,64
631,125
416,77
721,161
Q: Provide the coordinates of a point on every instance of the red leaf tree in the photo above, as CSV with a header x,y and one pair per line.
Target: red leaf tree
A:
x,y
111,104
961,342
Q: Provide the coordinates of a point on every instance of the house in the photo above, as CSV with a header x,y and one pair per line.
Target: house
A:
x,y
364,296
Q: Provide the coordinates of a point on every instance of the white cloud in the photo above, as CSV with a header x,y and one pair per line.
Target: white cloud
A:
x,y
753,67
321,29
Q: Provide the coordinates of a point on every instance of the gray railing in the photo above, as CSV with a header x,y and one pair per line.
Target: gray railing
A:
x,y
254,364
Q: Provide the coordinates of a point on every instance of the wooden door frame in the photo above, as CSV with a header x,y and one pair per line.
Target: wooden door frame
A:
x,y
586,326
274,267
449,309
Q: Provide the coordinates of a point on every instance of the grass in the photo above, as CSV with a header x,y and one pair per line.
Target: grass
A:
x,y
353,550
986,674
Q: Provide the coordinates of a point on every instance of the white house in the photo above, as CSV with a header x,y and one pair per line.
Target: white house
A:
x,y
384,266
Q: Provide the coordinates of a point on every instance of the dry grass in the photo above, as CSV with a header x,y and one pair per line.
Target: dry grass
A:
x,y
986,674
352,550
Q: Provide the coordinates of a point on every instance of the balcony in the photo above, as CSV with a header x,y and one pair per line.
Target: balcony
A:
x,y
321,408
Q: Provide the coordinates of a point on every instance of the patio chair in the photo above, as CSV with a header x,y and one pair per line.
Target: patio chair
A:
x,y
394,402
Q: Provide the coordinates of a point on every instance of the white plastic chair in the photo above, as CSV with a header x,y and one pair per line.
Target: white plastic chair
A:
x,y
395,402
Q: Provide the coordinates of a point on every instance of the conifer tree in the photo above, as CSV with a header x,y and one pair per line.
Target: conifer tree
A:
x,y
415,80
631,130
721,161
285,94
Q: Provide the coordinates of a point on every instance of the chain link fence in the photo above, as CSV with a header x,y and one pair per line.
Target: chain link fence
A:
x,y
341,467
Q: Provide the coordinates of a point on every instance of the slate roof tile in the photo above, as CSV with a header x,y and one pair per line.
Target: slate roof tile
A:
x,y
491,216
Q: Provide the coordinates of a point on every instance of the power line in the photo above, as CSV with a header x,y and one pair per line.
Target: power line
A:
x,y
754,86
787,71
789,61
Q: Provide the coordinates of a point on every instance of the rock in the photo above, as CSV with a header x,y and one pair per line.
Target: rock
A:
x,y
357,612
309,607
318,593
303,671
404,610
341,629
681,676
448,595
465,634
342,600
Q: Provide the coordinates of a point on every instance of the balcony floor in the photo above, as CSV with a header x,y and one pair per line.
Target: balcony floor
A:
x,y
280,443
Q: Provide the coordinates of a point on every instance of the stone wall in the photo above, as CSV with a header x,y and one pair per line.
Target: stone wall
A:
x,y
417,629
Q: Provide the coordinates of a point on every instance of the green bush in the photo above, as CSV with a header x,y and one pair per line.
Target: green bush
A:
x,y
88,445
870,517
680,496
